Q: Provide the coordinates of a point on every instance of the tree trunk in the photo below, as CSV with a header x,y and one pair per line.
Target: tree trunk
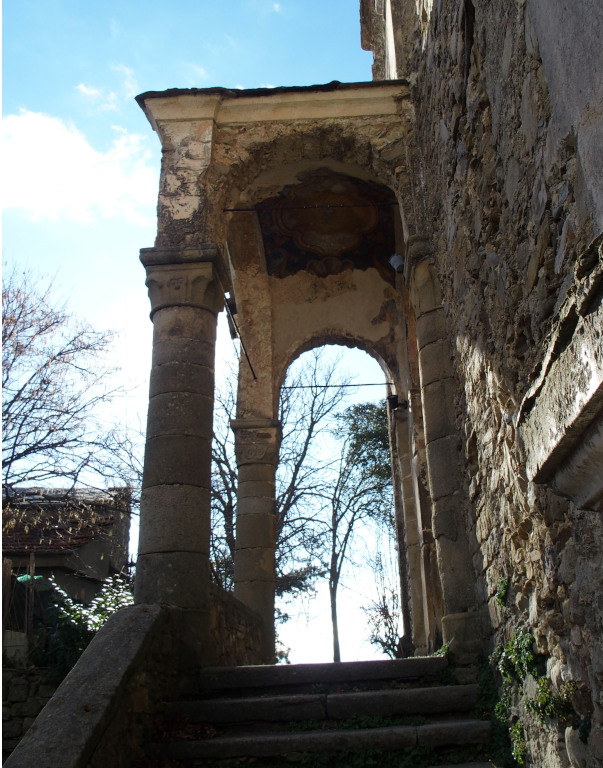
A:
x,y
333,597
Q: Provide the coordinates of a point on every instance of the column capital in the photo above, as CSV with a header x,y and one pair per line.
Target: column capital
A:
x,y
418,248
257,441
184,277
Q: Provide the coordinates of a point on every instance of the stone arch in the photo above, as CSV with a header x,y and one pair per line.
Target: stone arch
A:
x,y
336,146
226,154
336,339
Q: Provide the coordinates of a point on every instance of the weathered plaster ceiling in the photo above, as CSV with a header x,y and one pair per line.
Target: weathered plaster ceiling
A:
x,y
327,223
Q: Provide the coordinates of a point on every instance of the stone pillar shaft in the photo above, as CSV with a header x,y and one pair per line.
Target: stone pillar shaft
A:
x,y
457,577
173,555
257,444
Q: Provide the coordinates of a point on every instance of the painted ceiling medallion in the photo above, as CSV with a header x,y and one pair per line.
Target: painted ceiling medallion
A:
x,y
326,224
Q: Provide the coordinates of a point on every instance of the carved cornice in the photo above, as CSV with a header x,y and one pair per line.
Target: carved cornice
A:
x,y
184,277
153,257
257,441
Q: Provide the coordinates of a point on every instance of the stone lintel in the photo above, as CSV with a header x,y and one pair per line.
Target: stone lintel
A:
x,y
153,257
238,107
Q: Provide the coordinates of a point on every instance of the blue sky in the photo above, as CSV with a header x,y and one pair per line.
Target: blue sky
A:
x,y
81,163
80,160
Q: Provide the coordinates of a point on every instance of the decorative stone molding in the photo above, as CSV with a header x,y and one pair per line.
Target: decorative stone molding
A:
x,y
183,277
257,441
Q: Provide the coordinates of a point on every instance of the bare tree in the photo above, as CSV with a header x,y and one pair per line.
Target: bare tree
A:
x,y
55,377
384,614
359,494
309,401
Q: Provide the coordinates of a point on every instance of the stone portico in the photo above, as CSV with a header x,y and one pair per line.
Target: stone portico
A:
x,y
290,202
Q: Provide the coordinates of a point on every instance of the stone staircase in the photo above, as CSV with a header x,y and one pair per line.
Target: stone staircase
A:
x,y
323,714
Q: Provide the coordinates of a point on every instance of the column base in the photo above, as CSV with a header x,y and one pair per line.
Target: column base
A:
x,y
465,634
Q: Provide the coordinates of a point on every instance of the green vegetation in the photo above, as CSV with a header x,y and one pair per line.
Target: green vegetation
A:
x,y
518,741
76,624
515,661
548,704
502,592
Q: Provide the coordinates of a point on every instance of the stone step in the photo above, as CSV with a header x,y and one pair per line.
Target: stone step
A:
x,y
299,676
487,764
329,706
433,736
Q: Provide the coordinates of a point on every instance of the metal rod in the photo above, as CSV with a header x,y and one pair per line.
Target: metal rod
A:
x,y
236,327
336,386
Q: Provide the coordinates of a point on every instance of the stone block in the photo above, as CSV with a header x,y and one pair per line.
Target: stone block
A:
x,y
173,578
177,460
256,505
465,632
174,518
179,323
438,413
256,472
87,700
444,467
30,708
256,594
431,327
12,729
193,351
181,377
255,530
453,732
180,413
18,691
435,362
425,291
456,574
447,513
254,564
256,489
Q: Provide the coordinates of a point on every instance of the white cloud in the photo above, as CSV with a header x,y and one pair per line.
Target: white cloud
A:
x,y
86,90
109,101
52,172
277,7
130,84
198,71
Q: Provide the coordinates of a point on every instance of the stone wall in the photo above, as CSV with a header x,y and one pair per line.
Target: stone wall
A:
x,y
234,639
235,630
509,105
24,695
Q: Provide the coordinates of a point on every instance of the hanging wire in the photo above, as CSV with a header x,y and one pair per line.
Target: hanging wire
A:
x,y
337,386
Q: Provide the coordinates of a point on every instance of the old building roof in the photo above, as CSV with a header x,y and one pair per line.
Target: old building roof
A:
x,y
58,521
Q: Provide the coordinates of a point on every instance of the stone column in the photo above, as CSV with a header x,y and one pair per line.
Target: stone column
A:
x,y
442,442
173,554
257,443
412,534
